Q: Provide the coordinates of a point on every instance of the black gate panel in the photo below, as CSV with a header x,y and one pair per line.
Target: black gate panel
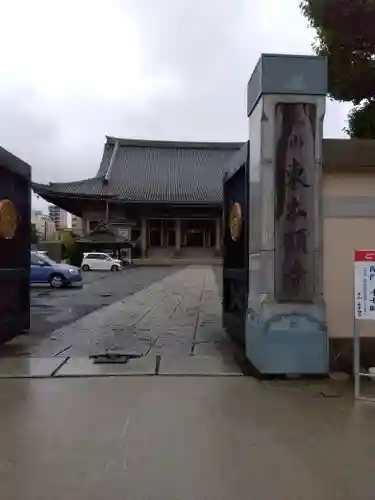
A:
x,y
236,251
15,235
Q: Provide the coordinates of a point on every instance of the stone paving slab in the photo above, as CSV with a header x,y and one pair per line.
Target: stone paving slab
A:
x,y
85,367
199,366
170,317
225,349
29,367
210,364
210,323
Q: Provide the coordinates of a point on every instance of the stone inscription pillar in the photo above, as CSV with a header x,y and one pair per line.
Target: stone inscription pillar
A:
x,y
286,332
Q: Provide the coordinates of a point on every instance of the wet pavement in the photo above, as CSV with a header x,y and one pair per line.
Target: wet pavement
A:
x,y
168,438
179,422
52,309
156,311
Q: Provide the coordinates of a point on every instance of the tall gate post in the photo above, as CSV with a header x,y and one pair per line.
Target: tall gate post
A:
x,y
286,330
15,238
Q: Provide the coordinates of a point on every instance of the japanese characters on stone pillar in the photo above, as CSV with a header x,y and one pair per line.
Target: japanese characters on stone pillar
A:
x,y
295,211
286,107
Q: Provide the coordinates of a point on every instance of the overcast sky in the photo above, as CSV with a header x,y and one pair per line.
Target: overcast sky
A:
x,y
74,71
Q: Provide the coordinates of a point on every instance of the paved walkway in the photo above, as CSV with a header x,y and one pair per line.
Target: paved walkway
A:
x,y
176,316
52,309
74,434
186,438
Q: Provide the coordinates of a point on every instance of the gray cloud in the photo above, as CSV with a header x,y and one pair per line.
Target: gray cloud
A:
x,y
171,69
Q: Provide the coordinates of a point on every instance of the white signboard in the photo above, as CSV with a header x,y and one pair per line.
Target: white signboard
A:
x,y
364,284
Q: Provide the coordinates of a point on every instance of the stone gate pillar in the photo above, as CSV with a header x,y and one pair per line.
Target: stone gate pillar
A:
x,y
286,331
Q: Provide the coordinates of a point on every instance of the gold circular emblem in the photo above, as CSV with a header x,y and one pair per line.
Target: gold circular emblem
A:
x,y
8,219
235,221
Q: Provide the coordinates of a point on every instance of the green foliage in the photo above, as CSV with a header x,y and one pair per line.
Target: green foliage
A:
x,y
346,35
68,241
361,121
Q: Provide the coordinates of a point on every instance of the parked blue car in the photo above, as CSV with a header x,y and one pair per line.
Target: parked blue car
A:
x,y
45,270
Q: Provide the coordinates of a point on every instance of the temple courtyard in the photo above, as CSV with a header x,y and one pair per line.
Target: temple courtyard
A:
x,y
169,313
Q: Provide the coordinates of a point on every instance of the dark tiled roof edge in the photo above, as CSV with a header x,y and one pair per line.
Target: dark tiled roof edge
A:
x,y
144,143
339,155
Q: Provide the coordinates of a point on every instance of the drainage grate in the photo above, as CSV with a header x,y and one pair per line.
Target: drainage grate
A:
x,y
113,358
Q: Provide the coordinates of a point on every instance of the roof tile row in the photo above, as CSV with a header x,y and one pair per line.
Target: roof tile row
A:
x,y
179,172
156,173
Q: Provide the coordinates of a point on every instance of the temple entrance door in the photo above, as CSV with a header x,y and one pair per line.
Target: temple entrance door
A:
x,y
155,233
198,233
194,238
171,237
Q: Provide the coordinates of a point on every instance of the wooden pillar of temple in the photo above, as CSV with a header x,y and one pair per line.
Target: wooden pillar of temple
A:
x,y
178,238
144,237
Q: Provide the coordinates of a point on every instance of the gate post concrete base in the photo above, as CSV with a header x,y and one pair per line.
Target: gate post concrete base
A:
x,y
290,343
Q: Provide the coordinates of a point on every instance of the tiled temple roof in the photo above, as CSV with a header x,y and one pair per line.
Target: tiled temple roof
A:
x,y
141,171
154,171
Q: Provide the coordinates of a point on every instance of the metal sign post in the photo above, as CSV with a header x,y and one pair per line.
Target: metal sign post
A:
x,y
364,309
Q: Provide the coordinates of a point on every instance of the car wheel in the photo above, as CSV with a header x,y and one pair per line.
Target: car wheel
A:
x,y
115,268
57,281
85,268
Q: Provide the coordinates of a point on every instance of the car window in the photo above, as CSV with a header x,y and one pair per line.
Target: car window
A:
x,y
35,259
46,259
97,256
92,256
